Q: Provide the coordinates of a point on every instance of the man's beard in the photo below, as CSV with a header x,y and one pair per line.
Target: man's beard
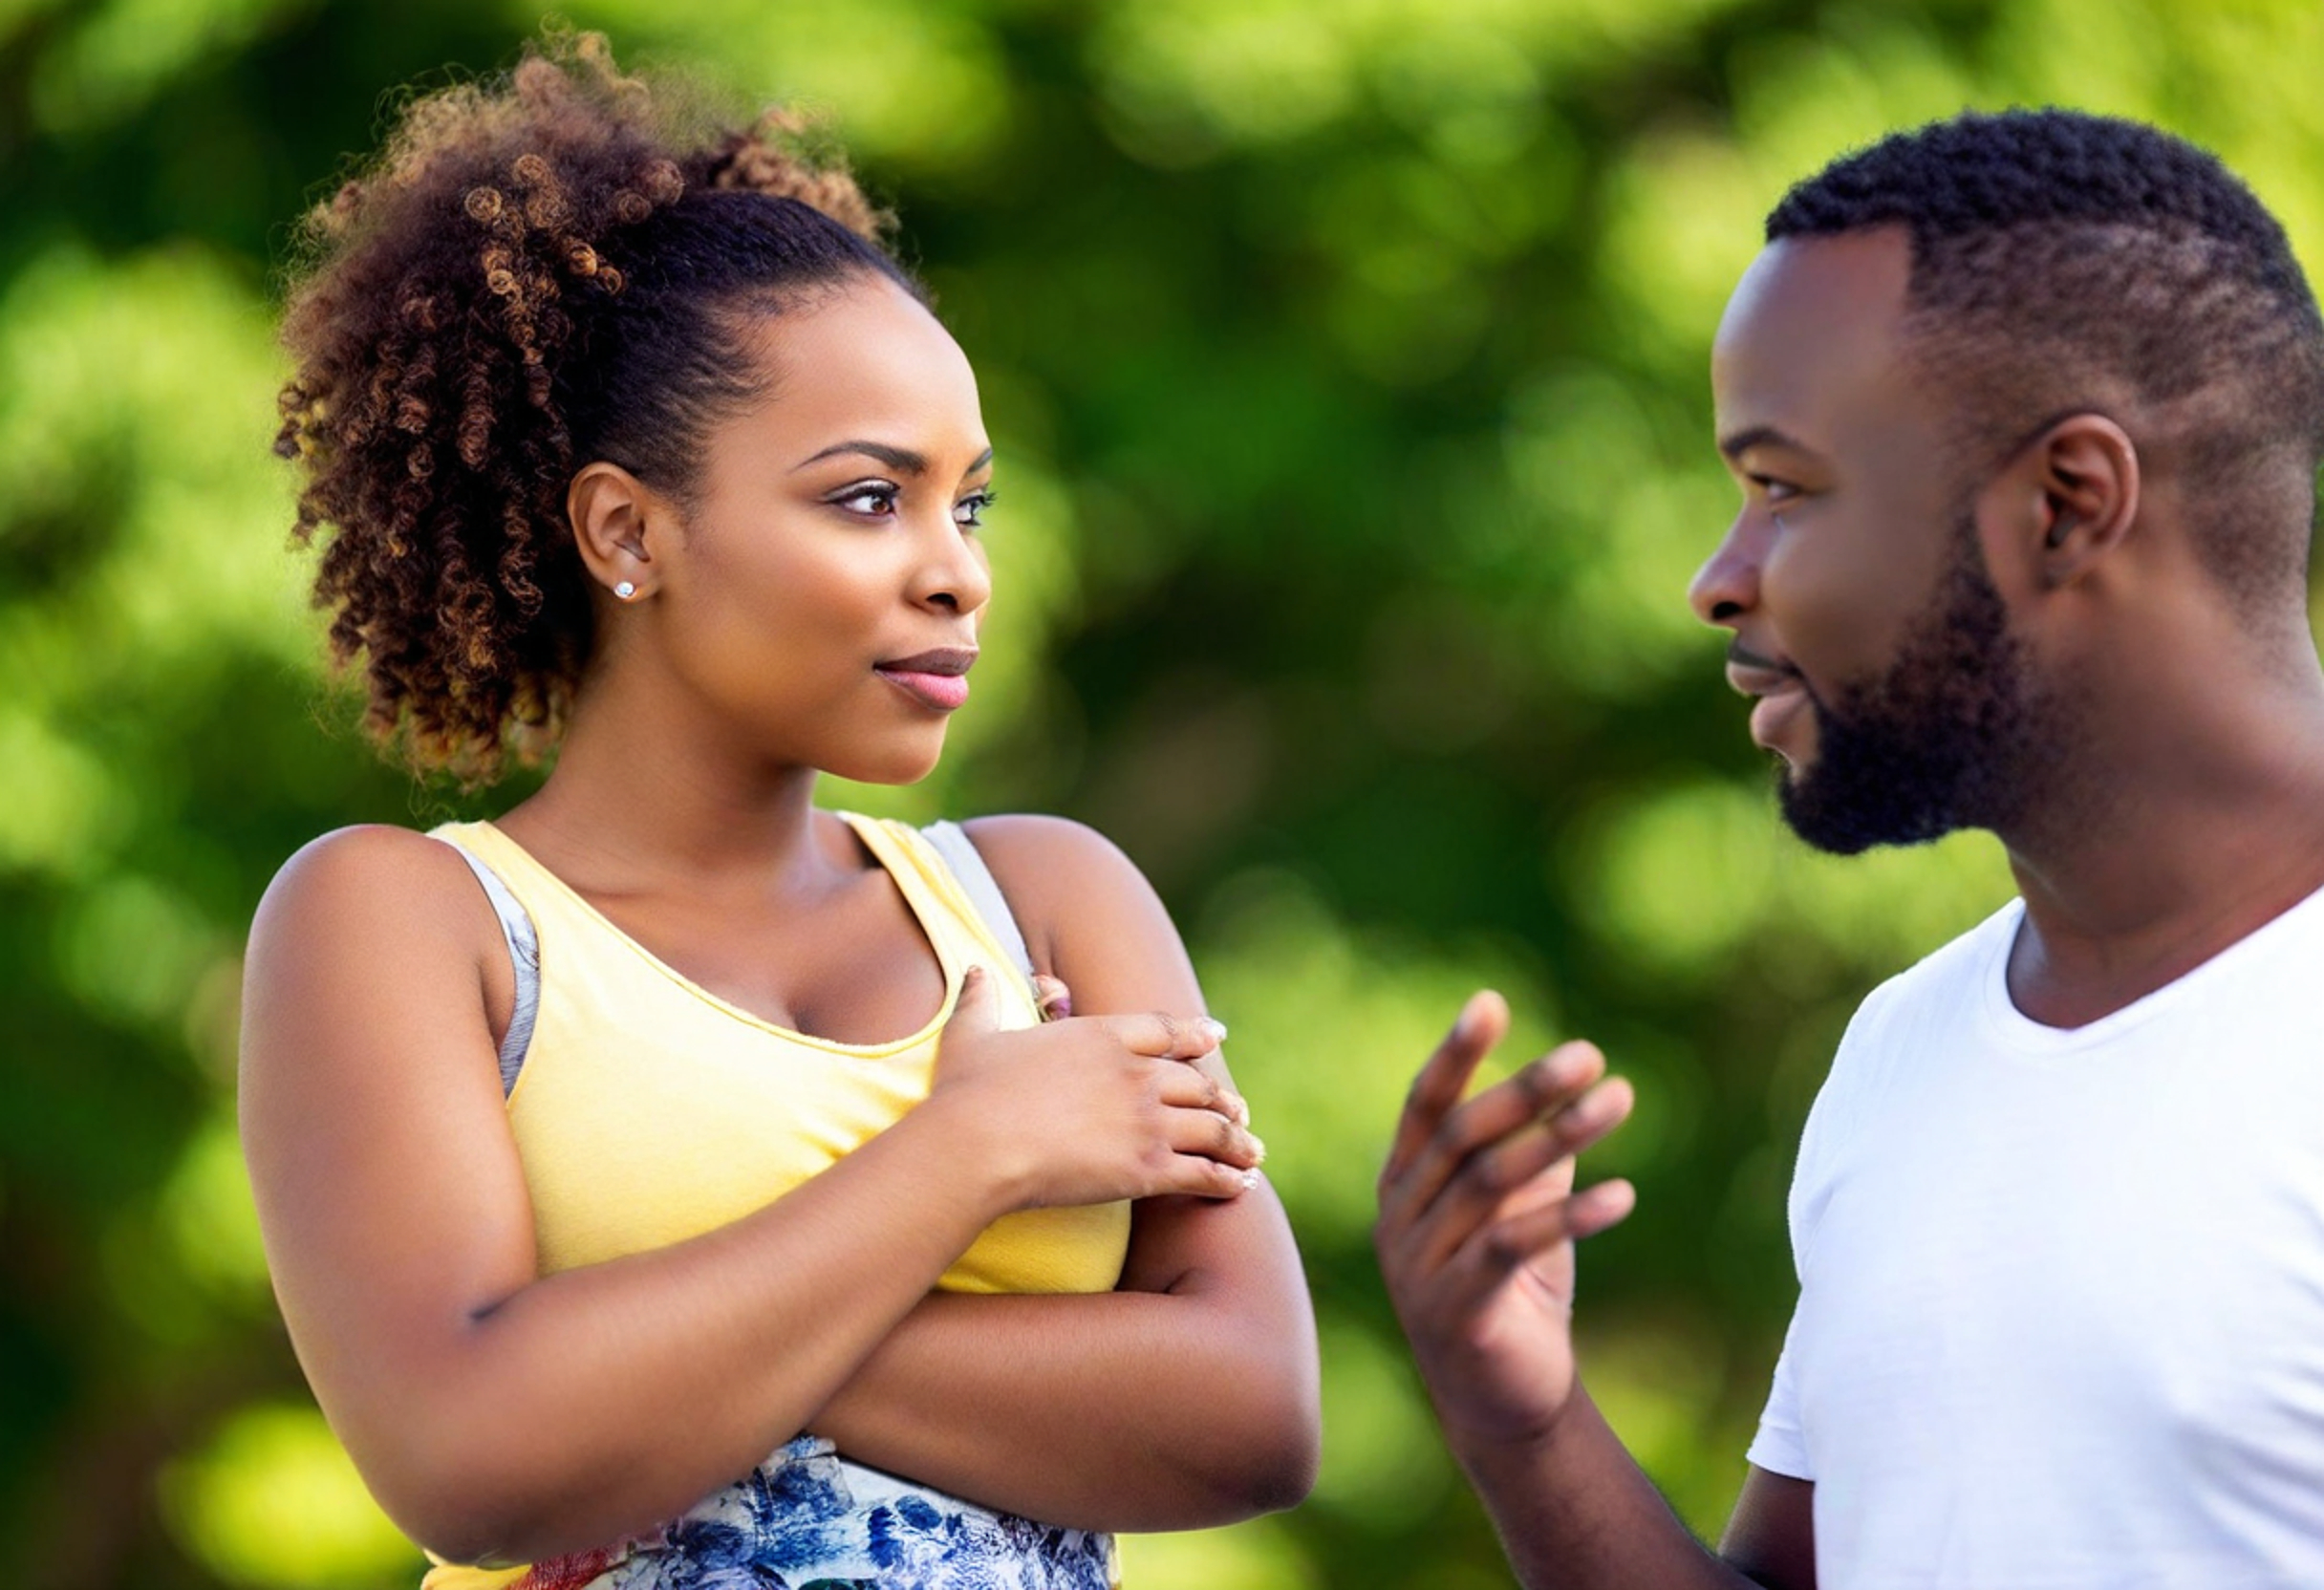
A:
x,y
1944,739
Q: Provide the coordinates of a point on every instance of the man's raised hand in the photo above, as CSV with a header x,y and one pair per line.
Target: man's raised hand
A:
x,y
1479,1217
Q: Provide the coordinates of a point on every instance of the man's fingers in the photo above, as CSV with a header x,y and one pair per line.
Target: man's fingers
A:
x,y
1522,1171
1483,1022
1517,1238
1537,1093
1585,1121
1540,1091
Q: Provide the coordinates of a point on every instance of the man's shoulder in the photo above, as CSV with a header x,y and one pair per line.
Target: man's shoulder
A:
x,y
1950,972
1922,1013
1934,1001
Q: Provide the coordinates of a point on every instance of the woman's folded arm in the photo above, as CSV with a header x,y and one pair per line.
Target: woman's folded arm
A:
x,y
1187,1397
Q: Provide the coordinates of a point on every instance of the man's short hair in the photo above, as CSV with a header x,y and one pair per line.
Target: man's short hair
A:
x,y
2063,262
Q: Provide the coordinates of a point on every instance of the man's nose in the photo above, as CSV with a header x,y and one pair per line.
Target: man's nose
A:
x,y
1726,586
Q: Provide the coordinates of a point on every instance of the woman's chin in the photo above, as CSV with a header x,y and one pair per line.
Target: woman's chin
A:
x,y
888,769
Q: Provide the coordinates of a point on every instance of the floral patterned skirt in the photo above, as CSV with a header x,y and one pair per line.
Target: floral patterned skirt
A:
x,y
808,1519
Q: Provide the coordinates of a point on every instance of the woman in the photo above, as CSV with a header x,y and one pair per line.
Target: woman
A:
x,y
592,1167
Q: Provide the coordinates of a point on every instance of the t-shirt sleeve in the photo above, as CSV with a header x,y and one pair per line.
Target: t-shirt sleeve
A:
x,y
1780,1447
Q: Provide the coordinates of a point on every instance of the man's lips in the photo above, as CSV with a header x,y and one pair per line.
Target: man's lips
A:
x,y
1752,674
1782,693
938,679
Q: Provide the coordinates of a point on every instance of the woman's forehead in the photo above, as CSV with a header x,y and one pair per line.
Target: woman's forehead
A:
x,y
867,358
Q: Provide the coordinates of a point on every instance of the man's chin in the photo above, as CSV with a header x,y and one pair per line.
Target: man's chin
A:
x,y
1828,820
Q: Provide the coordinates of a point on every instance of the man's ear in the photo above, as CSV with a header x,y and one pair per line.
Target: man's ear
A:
x,y
615,515
2079,486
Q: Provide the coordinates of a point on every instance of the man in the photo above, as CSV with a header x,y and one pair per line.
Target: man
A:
x,y
2026,411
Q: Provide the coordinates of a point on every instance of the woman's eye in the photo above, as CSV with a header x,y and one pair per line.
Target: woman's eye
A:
x,y
1774,490
969,511
873,499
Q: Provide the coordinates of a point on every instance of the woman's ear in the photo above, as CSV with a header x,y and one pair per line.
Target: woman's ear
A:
x,y
2083,472
613,515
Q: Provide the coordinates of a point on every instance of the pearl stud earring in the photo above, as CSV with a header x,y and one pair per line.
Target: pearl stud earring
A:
x,y
625,591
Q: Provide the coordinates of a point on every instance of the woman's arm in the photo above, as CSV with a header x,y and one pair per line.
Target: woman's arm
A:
x,y
1186,1398
501,1416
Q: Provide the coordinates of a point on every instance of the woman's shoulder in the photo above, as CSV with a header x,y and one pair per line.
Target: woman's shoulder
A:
x,y
1039,835
1052,854
369,858
1070,885
359,881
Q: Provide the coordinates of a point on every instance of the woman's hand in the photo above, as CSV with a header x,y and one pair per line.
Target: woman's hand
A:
x,y
1092,1109
1076,1410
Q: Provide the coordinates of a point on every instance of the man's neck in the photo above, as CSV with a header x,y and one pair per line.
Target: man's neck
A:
x,y
2193,822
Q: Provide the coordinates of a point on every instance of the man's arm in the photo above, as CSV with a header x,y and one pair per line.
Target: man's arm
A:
x,y
1478,1218
1771,1537
1573,1511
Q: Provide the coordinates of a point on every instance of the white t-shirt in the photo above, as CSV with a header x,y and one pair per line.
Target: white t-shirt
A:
x,y
2061,1311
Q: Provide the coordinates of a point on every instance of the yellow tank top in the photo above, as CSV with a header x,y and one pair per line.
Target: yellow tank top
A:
x,y
649,1110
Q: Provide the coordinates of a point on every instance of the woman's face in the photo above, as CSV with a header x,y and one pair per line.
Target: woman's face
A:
x,y
824,594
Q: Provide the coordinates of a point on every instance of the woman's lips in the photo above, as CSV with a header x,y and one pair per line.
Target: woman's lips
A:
x,y
938,679
938,692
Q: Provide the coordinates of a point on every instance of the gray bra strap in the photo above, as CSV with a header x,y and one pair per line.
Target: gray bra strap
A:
x,y
976,882
524,960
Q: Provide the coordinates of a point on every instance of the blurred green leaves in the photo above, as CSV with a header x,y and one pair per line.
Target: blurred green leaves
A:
x,y
133,467
272,1501
1345,364
116,53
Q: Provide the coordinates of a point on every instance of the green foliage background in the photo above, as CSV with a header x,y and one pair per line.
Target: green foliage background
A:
x,y
1347,365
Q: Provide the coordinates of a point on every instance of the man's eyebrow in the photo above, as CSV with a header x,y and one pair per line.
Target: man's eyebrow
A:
x,y
1742,441
902,459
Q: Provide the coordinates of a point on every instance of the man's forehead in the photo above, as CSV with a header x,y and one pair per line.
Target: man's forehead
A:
x,y
1859,276
1812,315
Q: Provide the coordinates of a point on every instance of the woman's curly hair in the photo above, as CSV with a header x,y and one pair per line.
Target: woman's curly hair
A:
x,y
540,272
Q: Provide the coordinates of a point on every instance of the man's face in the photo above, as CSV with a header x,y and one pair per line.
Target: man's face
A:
x,y
1863,617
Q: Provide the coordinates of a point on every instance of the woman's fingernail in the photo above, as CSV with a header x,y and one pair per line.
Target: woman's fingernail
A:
x,y
1250,1178
1215,1029
1259,1152
1238,1111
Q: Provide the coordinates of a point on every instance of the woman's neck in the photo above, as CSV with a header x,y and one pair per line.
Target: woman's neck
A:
x,y
646,795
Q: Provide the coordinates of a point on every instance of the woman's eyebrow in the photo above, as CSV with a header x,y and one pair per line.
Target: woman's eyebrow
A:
x,y
902,459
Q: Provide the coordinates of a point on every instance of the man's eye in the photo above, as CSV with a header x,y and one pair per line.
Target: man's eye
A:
x,y
969,511
873,499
